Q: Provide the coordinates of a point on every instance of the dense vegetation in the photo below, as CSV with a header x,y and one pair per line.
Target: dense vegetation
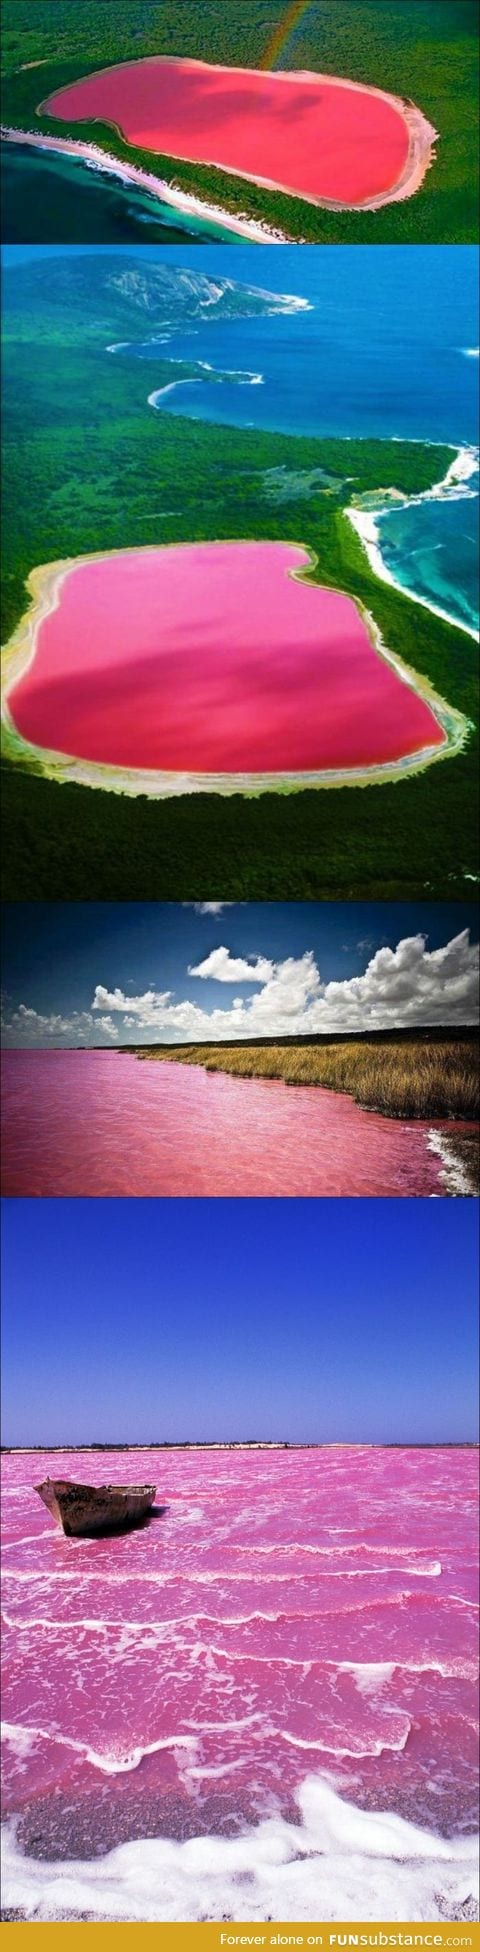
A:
x,y
423,50
88,466
402,1077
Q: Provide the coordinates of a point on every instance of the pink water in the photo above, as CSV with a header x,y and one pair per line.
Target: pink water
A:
x,y
284,1615
303,133
103,1122
213,658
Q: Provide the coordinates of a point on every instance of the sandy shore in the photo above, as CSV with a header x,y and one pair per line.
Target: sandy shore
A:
x,y
366,525
191,206
44,586
143,1870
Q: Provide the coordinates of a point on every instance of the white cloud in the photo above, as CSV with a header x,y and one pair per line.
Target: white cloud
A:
x,y
136,1005
233,969
401,987
409,985
209,907
30,1027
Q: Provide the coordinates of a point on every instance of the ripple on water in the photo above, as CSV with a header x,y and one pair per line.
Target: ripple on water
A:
x,y
101,1122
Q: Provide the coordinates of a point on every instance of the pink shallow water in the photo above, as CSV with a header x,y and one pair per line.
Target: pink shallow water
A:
x,y
282,1613
212,658
300,133
103,1122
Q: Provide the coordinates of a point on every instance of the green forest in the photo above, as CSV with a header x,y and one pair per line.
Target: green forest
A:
x,y
89,466
422,50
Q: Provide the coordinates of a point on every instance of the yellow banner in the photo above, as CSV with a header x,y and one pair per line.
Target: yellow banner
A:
x,y
231,1937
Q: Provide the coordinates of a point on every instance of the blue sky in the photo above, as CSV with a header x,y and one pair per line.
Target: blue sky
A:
x,y
104,973
308,1320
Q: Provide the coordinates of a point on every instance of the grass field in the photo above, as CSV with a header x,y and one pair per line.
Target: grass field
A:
x,y
422,50
402,1078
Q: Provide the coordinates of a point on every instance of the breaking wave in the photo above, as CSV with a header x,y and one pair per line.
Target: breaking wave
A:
x,y
384,1866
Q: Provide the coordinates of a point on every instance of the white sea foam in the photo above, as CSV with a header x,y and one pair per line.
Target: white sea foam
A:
x,y
31,1538
455,486
405,1560
102,162
453,1172
383,1866
113,1763
172,387
377,1747
241,379
369,1676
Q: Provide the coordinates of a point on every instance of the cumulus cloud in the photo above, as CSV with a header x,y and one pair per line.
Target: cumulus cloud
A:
x,y
136,1005
409,985
400,988
31,1027
233,969
209,907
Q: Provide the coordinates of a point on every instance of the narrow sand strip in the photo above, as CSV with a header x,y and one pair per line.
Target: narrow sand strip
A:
x,y
100,160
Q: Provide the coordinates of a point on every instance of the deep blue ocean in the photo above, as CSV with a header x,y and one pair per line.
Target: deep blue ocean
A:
x,y
386,350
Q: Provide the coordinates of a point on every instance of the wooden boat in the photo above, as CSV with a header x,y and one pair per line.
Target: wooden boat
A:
x,y
83,1509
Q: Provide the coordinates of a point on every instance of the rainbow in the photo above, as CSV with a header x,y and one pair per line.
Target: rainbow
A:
x,y
292,16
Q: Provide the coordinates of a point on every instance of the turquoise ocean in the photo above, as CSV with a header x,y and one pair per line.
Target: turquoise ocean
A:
x,y
387,349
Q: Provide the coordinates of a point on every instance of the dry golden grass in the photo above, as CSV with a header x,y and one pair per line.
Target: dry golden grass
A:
x,y
413,1079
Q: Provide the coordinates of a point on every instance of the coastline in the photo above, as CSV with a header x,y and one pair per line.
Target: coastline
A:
x,y
366,525
99,159
198,379
397,1866
44,585
458,1148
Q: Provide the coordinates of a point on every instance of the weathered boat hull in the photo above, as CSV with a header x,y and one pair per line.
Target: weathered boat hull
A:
x,y
87,1509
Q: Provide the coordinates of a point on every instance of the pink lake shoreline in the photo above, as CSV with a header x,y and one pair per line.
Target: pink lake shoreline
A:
x,y
289,1651
346,177
97,1123
355,711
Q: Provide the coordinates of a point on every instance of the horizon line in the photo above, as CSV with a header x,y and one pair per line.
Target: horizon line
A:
x,y
250,1443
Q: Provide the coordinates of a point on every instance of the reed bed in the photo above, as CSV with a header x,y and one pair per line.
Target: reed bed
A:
x,y
414,1079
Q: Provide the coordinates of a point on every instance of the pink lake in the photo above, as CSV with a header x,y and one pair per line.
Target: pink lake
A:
x,y
213,658
104,1122
290,1641
318,138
